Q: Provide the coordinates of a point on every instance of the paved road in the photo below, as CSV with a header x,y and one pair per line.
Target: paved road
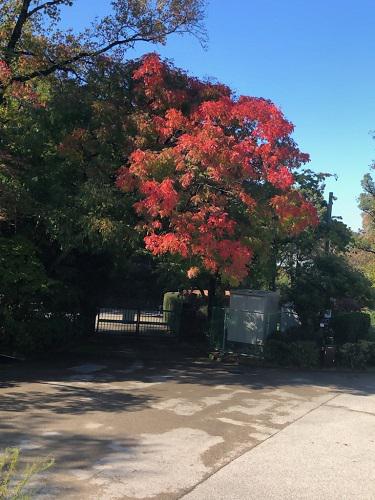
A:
x,y
193,430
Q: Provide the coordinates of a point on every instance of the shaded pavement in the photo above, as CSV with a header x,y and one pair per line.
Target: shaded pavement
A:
x,y
131,428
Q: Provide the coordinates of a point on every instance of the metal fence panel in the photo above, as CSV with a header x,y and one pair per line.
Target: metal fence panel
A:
x,y
236,329
138,322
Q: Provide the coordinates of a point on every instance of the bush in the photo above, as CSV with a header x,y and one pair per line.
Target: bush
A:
x,y
372,325
172,305
305,354
172,301
39,335
371,353
355,355
351,327
302,354
300,333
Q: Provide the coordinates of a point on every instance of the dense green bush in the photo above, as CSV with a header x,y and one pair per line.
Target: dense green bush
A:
x,y
371,353
172,301
303,354
354,355
372,324
350,327
325,277
172,306
300,333
186,313
38,336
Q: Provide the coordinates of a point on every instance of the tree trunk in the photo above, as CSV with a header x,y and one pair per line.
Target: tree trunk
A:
x,y
273,266
212,286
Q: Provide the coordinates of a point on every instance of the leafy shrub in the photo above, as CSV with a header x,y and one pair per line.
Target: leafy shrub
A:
x,y
301,333
350,327
185,313
305,354
39,335
372,325
172,305
371,353
22,275
172,300
277,352
355,355
300,354
216,327
12,481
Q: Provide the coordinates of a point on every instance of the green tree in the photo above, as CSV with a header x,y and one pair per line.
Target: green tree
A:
x,y
66,126
33,46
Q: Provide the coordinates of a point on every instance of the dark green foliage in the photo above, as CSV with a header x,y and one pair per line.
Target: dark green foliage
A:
x,y
302,354
172,301
372,324
37,313
193,317
216,329
40,336
172,307
355,356
23,280
371,352
300,333
187,311
350,327
325,278
277,352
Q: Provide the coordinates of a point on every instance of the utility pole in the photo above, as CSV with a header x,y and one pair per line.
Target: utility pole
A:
x,y
329,218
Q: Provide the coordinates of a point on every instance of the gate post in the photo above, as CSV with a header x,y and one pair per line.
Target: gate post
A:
x,y
138,321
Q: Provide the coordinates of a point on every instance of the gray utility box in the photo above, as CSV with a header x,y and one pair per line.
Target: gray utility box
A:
x,y
253,315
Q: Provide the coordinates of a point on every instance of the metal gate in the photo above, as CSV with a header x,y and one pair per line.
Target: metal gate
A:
x,y
138,322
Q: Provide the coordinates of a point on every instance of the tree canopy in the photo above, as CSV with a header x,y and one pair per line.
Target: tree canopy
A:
x,y
207,166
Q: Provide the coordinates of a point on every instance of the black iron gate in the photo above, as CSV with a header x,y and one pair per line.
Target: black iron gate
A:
x,y
138,322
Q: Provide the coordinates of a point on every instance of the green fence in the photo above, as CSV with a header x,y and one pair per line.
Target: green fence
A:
x,y
232,329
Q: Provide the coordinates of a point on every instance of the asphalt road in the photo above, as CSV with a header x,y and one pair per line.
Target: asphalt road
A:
x,y
127,429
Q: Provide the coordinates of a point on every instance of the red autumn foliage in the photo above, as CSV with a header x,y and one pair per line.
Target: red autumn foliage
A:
x,y
196,175
17,90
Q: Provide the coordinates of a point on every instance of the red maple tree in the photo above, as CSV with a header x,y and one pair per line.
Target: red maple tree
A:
x,y
201,154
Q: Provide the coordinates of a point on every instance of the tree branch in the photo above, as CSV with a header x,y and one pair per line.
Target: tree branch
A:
x,y
17,30
63,65
43,6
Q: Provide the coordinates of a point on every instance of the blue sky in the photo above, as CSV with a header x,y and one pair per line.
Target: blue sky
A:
x,y
315,60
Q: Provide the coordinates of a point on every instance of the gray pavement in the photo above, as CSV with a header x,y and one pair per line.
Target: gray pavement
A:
x,y
327,454
133,429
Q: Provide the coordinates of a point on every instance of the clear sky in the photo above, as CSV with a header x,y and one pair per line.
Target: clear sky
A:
x,y
314,59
